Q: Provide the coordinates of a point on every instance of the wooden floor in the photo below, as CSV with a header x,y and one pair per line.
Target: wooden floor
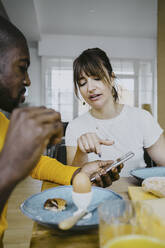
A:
x,y
19,226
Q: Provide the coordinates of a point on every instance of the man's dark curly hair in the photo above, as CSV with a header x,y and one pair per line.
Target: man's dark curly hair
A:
x,y
10,36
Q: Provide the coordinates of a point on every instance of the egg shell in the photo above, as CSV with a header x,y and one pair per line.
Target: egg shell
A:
x,y
81,183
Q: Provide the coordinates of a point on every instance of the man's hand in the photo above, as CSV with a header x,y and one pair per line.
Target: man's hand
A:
x,y
29,132
98,169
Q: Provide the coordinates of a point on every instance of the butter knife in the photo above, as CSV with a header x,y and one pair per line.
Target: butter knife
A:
x,y
72,220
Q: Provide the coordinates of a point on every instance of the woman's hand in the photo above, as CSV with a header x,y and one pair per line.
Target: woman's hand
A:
x,y
90,142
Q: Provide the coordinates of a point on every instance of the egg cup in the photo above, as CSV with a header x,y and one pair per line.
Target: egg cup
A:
x,y
81,200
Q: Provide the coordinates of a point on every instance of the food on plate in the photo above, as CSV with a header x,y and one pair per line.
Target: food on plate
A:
x,y
154,185
81,183
55,204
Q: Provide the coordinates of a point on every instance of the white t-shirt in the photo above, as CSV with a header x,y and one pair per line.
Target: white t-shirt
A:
x,y
131,130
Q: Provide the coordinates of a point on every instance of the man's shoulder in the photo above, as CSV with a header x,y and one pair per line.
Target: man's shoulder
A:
x,y
3,117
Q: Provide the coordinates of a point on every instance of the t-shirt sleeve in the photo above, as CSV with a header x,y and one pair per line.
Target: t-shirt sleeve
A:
x,y
150,128
71,135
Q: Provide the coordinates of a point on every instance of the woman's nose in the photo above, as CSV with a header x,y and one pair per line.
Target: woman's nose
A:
x,y
91,85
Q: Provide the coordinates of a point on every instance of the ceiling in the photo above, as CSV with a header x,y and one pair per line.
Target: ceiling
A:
x,y
126,18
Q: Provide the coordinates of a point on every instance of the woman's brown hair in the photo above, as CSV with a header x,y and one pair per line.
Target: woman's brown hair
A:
x,y
93,62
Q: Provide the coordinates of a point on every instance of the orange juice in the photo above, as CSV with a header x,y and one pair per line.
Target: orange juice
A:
x,y
153,224
158,228
108,232
134,241
123,218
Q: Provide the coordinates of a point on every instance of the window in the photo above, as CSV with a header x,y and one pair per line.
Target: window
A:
x,y
58,86
134,82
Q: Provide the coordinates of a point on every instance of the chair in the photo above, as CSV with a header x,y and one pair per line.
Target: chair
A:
x,y
149,162
58,151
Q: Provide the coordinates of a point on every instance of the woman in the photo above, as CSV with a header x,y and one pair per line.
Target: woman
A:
x,y
92,134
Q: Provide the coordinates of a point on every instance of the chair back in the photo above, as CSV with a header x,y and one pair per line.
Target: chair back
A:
x,y
58,151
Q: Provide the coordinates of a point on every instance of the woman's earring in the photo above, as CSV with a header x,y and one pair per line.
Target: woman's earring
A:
x,y
113,91
83,103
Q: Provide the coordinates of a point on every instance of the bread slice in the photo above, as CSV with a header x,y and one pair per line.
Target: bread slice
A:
x,y
155,185
55,204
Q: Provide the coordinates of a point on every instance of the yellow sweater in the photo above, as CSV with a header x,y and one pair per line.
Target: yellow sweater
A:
x,y
46,169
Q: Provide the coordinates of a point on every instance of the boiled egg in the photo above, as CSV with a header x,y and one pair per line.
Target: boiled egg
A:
x,y
81,194
81,183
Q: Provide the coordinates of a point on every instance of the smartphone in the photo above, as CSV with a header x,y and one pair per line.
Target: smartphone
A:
x,y
116,163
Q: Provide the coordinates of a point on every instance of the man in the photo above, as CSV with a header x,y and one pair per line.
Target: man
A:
x,y
23,140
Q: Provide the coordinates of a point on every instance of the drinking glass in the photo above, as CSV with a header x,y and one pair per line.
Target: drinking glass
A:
x,y
125,219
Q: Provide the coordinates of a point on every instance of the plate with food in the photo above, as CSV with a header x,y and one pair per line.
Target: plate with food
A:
x,y
143,173
54,205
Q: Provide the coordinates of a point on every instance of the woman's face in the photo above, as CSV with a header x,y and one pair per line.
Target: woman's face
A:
x,y
96,93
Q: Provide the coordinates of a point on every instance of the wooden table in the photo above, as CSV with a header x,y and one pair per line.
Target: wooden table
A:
x,y
43,237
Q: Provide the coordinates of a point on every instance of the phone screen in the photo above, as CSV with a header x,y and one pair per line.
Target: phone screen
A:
x,y
117,163
120,160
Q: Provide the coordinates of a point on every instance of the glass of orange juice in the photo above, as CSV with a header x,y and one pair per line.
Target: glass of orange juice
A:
x,y
134,241
122,223
154,219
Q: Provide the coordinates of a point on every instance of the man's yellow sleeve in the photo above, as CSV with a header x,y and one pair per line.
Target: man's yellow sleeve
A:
x,y
52,170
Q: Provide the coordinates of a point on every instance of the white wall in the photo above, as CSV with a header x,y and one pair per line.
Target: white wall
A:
x,y
116,47
71,46
34,91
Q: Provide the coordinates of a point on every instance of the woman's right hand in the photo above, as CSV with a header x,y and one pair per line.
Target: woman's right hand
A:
x,y
90,142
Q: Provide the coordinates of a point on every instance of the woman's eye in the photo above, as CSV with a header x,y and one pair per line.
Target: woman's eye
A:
x,y
81,84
